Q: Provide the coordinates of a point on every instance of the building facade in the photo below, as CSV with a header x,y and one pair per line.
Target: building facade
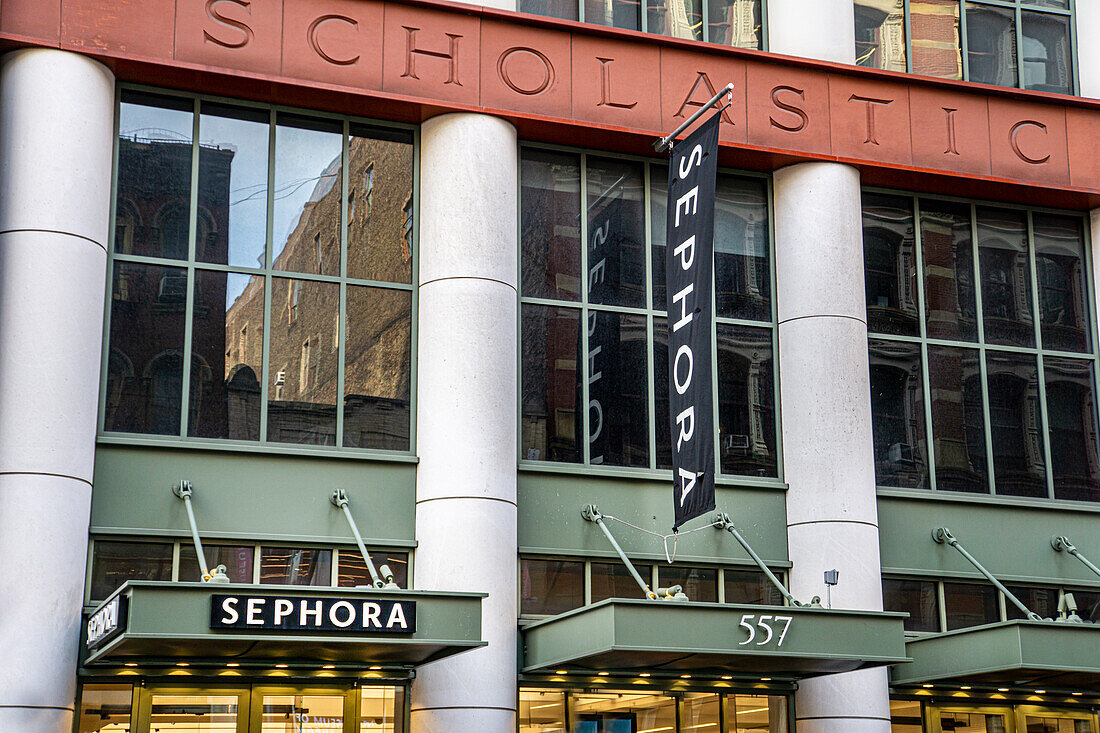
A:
x,y
301,282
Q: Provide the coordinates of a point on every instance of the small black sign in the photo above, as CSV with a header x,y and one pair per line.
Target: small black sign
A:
x,y
689,265
300,613
108,621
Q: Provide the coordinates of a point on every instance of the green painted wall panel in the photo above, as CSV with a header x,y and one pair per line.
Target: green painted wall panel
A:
x,y
550,518
251,495
1012,541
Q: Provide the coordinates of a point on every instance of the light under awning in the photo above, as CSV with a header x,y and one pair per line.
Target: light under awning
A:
x,y
155,622
779,641
1008,654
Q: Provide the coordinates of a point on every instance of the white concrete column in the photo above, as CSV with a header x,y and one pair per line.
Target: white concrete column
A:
x,y
832,518
816,29
1087,17
56,124
467,397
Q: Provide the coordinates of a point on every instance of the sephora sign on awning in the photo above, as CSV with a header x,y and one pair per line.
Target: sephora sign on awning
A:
x,y
298,613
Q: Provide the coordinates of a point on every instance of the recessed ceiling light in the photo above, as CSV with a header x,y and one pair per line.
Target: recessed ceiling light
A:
x,y
130,664
182,664
602,674
685,676
644,674
927,684
765,679
280,666
329,666
727,677
965,687
562,671
1002,689
233,664
374,667
1040,692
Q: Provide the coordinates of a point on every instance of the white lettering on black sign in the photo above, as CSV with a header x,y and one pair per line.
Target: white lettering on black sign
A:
x,y
297,613
107,622
689,265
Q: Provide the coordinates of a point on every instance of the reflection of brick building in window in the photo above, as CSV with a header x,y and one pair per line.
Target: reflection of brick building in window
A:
x,y
304,317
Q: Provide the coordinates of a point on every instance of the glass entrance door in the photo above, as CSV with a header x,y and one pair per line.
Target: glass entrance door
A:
x,y
167,710
972,720
299,711
1010,719
1044,720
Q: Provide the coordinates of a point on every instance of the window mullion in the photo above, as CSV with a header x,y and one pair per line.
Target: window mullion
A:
x,y
908,38
1019,46
777,418
1044,429
341,317
980,316
265,378
963,44
650,342
109,288
930,457
192,282
585,411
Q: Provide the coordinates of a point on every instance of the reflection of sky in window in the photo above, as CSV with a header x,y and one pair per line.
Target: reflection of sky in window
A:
x,y
303,159
247,184
155,123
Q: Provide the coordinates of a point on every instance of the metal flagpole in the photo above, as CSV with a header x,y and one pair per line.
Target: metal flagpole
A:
x,y
664,142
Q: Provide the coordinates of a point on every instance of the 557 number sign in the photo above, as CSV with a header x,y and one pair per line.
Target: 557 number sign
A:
x,y
768,628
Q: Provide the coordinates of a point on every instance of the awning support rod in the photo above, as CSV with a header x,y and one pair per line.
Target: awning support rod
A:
x,y
723,522
183,491
942,535
1062,544
664,142
339,499
592,514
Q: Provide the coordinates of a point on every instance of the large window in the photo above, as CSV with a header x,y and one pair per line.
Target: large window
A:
x,y
1015,43
261,277
594,330
982,356
738,23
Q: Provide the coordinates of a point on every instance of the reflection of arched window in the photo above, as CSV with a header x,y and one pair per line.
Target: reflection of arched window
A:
x,y
127,222
207,244
1068,407
974,424
120,372
1057,299
165,379
172,227
889,395
998,283
1007,403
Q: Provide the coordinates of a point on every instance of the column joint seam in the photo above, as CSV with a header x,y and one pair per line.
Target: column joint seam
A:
x,y
55,231
464,496
832,521
823,315
46,473
470,277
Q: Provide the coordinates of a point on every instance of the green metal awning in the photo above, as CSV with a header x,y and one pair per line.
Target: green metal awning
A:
x,y
1009,654
779,641
156,622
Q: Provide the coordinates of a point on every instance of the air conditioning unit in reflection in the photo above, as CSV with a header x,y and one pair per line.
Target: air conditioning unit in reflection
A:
x,y
735,442
900,454
173,289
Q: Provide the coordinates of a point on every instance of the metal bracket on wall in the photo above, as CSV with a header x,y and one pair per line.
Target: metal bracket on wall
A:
x,y
943,536
591,513
384,579
1062,544
723,522
183,492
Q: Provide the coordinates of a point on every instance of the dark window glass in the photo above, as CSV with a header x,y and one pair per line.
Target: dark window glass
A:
x,y
958,419
918,598
1043,601
676,18
746,401
615,13
227,351
897,413
548,587
551,391
890,265
295,566
662,418
550,222
1006,277
1060,265
750,586
613,580
1071,411
306,221
237,560
154,176
145,369
232,213
616,232
969,604
935,38
113,563
991,44
380,192
658,217
1019,465
377,368
353,571
1088,604
880,34
1046,62
735,23
948,271
700,584
302,382
742,272
618,400
566,9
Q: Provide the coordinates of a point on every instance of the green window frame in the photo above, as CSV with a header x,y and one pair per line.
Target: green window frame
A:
x,y
982,345
267,272
650,312
702,31
1018,9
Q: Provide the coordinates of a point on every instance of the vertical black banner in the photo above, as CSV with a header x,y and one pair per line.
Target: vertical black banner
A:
x,y
605,235
689,264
